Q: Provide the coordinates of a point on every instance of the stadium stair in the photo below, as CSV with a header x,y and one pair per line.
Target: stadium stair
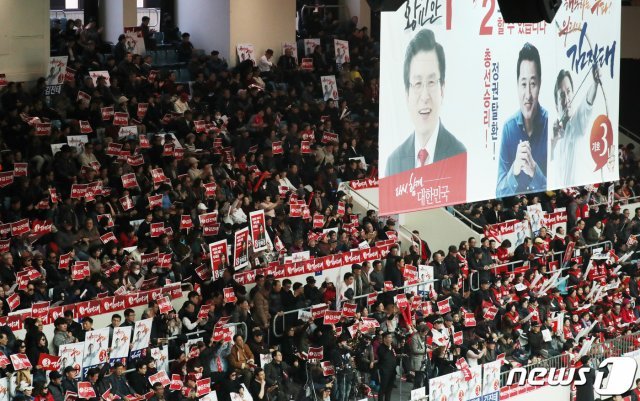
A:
x,y
437,226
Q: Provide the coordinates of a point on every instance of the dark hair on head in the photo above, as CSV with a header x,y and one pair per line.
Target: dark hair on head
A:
x,y
530,53
424,41
561,76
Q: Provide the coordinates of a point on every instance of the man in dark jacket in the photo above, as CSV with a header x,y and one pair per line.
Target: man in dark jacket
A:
x,y
70,382
277,374
387,362
440,271
138,378
118,382
55,386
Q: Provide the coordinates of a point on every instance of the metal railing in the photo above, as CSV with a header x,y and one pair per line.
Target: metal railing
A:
x,y
152,13
598,352
629,133
465,219
198,332
402,230
281,315
306,9
67,14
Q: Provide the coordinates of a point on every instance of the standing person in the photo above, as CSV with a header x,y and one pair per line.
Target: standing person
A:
x,y
584,392
387,362
418,356
522,166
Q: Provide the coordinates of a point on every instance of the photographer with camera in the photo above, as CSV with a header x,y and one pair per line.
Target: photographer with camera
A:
x,y
277,376
342,358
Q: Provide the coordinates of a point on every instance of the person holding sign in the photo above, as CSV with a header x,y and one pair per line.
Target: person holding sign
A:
x,y
522,166
424,82
569,150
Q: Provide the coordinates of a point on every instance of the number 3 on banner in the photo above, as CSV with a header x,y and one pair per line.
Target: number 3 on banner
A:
x,y
484,28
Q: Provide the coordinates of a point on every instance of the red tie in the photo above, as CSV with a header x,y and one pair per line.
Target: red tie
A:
x,y
422,156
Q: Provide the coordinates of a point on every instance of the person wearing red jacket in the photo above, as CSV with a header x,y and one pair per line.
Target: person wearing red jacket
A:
x,y
626,314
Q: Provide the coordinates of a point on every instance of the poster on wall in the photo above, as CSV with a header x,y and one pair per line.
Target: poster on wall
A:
x,y
290,46
329,87
246,52
540,103
134,42
341,49
55,74
310,46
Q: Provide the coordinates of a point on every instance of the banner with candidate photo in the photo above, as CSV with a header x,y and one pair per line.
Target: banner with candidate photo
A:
x,y
55,74
241,249
71,355
134,42
258,231
476,108
120,343
96,348
141,334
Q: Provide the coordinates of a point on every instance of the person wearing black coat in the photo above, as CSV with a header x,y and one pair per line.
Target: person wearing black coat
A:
x,y
70,380
585,392
231,384
393,273
387,362
138,378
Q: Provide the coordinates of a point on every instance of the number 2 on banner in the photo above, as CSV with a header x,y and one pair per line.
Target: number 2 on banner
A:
x,y
484,29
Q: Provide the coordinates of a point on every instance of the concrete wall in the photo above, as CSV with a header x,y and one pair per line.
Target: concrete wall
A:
x,y
208,23
265,24
24,39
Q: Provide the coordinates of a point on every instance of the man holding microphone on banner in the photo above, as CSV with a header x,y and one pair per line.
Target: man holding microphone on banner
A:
x,y
569,150
522,166
424,79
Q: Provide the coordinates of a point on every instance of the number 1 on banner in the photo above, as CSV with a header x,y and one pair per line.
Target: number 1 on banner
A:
x,y
449,8
484,29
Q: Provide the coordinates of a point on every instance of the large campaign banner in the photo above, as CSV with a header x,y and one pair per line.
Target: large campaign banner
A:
x,y
476,108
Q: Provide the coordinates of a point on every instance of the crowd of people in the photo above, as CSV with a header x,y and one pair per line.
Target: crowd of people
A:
x,y
208,147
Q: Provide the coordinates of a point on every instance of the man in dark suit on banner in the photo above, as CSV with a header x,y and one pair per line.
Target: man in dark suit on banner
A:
x,y
424,82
